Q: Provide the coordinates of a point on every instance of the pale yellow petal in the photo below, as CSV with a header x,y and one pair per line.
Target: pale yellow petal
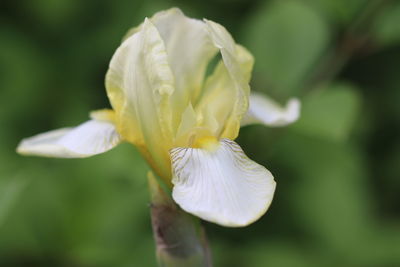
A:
x,y
235,73
139,84
223,98
218,100
189,50
186,127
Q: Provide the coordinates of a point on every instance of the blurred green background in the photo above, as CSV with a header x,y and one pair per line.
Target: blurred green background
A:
x,y
337,169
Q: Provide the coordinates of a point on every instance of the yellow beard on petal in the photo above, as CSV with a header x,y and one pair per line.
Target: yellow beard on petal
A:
x,y
103,115
209,143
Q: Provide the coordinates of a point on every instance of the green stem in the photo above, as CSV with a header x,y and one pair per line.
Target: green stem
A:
x,y
180,239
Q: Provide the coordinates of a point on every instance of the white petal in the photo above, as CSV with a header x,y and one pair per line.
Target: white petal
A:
x,y
222,186
264,110
88,139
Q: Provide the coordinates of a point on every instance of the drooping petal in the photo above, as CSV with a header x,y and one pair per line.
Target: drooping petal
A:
x,y
266,111
139,84
222,185
88,139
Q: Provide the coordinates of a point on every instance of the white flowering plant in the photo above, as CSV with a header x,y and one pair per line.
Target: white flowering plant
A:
x,y
183,121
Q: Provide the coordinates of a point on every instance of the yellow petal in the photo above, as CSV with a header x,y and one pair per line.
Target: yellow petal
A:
x,y
186,127
189,50
229,85
218,100
224,98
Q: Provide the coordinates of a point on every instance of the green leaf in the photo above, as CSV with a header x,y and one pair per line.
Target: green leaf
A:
x,y
329,113
286,38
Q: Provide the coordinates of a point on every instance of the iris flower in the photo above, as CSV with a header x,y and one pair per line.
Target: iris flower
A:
x,y
181,120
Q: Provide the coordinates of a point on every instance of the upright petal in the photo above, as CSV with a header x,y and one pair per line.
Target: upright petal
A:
x,y
139,84
218,99
88,139
237,62
266,111
189,50
221,185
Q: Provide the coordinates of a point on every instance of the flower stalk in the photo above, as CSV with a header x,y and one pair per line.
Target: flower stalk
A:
x,y
179,237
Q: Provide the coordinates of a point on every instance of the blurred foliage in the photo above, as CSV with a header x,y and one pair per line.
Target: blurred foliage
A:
x,y
329,112
293,36
337,169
